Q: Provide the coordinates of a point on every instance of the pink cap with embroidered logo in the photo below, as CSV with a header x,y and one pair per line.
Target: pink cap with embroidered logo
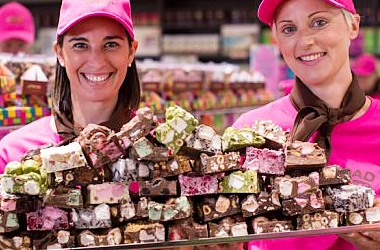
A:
x,y
267,8
16,22
74,11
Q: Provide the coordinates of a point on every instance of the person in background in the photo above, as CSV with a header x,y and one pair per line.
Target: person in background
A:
x,y
366,69
326,105
96,76
17,30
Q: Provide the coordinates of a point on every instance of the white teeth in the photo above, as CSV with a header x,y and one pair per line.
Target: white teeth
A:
x,y
93,78
311,57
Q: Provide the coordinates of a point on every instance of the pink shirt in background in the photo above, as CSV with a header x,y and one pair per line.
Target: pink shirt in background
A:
x,y
355,145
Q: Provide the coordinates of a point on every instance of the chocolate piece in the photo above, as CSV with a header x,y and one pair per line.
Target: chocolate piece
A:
x,y
173,209
334,174
304,204
176,166
274,136
228,226
67,198
125,170
110,193
211,208
219,162
178,125
16,243
146,150
55,240
265,161
290,187
19,203
130,211
234,139
158,187
92,217
186,229
62,158
203,139
351,198
369,216
240,182
189,186
48,218
79,177
111,237
322,220
263,225
304,155
264,203
8,222
144,233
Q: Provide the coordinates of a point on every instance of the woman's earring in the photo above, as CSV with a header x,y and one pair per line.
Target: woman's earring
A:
x,y
130,65
61,62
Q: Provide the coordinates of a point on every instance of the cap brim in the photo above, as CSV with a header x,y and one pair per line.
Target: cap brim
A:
x,y
24,36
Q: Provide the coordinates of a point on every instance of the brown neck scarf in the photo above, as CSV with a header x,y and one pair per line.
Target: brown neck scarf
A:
x,y
68,130
314,114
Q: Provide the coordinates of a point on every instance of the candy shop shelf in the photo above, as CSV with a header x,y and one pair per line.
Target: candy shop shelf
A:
x,y
222,240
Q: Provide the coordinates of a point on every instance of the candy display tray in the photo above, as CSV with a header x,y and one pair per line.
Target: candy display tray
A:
x,y
251,237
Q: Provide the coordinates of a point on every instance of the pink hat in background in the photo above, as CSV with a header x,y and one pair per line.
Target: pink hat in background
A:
x,y
364,65
16,22
267,8
74,11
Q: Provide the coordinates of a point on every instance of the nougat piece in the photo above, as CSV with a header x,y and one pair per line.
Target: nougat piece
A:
x,y
264,225
8,222
144,233
198,185
128,211
304,204
78,177
264,203
178,125
265,161
235,139
304,155
321,220
111,237
215,207
62,158
290,187
16,242
229,226
138,127
92,217
146,150
219,163
158,187
55,240
333,175
240,182
175,166
369,216
125,170
48,218
275,136
19,203
351,198
173,209
186,229
64,198
203,139
110,193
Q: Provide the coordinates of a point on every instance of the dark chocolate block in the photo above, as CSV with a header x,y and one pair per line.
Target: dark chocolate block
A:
x,y
219,163
125,170
304,204
111,237
187,229
176,166
130,211
263,225
16,243
215,207
322,220
19,203
55,240
64,198
275,136
265,161
203,139
198,185
144,233
158,187
264,203
229,226
8,222
48,218
369,216
240,182
334,174
146,150
78,177
351,198
304,155
173,209
92,217
290,187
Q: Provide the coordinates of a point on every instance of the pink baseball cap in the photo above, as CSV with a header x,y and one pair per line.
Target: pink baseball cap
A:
x,y
16,22
74,11
364,65
267,8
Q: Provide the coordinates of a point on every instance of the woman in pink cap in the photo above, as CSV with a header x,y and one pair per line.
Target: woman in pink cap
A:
x,y
96,76
17,31
325,105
